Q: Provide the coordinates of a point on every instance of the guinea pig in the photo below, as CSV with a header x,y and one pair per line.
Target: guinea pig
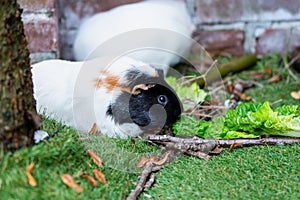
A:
x,y
153,31
123,97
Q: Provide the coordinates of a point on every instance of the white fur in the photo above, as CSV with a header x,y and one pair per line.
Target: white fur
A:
x,y
66,91
169,15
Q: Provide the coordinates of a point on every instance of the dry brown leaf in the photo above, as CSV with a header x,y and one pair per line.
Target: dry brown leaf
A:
x,y
230,89
30,178
257,75
274,79
93,129
132,141
142,162
161,161
69,181
90,179
153,159
269,71
243,96
295,94
234,145
96,159
99,176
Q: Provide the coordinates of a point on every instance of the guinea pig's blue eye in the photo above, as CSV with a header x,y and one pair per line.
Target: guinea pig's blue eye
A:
x,y
162,99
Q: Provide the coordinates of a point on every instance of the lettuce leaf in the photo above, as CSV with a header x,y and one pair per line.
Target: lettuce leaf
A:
x,y
248,120
189,95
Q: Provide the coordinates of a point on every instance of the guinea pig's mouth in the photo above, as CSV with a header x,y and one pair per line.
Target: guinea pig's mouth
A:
x,y
157,118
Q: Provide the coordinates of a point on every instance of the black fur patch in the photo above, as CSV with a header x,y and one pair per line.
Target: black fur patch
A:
x,y
109,111
136,77
136,108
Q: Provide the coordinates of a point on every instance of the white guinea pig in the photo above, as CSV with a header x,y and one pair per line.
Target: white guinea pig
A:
x,y
152,31
123,97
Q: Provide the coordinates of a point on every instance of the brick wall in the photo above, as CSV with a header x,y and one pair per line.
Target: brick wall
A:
x,y
260,26
41,28
228,27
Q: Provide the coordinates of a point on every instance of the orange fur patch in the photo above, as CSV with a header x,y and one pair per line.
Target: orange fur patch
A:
x,y
111,82
98,83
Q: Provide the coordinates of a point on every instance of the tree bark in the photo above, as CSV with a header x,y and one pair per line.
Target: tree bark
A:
x,y
18,119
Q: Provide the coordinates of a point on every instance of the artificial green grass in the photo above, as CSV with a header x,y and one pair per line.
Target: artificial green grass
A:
x,y
261,172
56,156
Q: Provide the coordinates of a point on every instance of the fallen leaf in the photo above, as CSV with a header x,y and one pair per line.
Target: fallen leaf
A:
x,y
153,159
69,181
99,176
96,159
257,75
161,161
93,129
132,140
90,179
234,145
295,94
230,89
274,79
269,71
243,96
30,178
142,162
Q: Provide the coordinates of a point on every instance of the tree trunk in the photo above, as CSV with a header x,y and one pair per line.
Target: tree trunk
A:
x,y
18,119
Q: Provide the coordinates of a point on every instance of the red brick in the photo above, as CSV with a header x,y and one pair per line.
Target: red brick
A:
x,y
41,35
276,41
218,10
221,42
293,6
37,5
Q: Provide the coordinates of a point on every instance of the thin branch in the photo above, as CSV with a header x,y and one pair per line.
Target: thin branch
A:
x,y
142,182
166,139
150,182
259,141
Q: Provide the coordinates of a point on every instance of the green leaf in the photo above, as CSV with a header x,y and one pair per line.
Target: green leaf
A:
x,y
248,120
189,95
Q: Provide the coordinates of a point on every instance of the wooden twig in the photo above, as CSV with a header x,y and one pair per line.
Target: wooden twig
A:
x,y
194,142
150,182
259,141
142,182
147,177
168,138
199,154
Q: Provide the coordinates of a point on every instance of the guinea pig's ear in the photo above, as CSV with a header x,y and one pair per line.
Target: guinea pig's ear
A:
x,y
141,87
